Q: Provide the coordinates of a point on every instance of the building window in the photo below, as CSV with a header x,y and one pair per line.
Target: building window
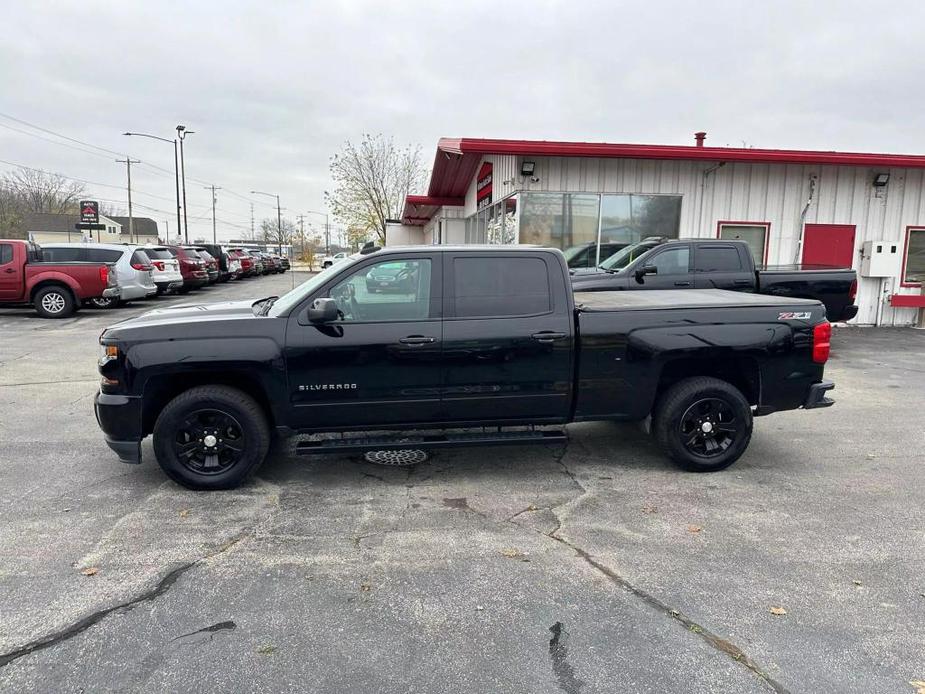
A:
x,y
568,221
914,257
628,218
755,235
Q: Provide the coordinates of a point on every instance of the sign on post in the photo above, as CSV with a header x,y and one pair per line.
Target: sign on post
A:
x,y
89,212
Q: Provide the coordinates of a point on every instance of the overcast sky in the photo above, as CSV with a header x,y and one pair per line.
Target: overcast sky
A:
x,y
273,88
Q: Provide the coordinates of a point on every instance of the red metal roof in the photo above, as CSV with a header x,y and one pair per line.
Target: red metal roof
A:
x,y
420,208
457,159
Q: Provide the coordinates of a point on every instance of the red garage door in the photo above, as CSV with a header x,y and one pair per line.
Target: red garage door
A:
x,y
828,244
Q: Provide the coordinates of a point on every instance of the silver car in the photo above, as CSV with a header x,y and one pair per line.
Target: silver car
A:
x,y
132,266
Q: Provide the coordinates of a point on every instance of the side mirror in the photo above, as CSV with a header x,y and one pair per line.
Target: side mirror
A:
x,y
322,310
645,270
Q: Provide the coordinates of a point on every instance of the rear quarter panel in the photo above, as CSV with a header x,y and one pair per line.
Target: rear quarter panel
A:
x,y
623,355
82,279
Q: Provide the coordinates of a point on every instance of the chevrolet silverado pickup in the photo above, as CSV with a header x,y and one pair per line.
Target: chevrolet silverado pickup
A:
x,y
489,338
660,263
55,290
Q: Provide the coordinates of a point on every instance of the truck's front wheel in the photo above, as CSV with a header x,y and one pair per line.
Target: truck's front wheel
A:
x,y
211,437
703,424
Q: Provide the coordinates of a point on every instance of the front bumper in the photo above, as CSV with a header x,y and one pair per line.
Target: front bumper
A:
x,y
816,397
119,416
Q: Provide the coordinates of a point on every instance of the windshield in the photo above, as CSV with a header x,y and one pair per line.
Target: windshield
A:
x,y
625,256
295,296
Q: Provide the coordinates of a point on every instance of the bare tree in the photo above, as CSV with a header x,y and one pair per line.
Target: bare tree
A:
x,y
371,180
39,191
274,235
10,212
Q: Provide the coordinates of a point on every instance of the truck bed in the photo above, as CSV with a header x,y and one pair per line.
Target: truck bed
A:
x,y
591,302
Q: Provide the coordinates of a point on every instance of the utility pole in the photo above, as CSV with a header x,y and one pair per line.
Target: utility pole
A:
x,y
301,235
128,161
214,200
253,235
167,230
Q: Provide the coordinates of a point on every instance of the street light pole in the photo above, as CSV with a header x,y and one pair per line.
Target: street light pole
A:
x,y
279,218
182,132
176,172
327,230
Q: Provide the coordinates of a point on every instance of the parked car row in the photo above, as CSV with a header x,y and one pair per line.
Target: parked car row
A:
x,y
58,278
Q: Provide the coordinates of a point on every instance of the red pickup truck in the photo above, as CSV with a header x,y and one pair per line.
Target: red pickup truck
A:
x,y
55,290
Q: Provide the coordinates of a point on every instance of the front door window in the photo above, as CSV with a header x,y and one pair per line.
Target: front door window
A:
x,y
394,290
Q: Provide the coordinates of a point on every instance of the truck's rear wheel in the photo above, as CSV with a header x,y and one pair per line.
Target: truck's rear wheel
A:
x,y
211,437
703,424
54,302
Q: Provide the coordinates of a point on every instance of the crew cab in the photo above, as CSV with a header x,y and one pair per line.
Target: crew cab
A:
x,y
660,263
55,290
480,337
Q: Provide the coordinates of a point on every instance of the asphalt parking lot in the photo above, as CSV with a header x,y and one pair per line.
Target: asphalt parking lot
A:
x,y
597,567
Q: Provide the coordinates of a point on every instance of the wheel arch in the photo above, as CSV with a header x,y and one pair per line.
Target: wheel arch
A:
x,y
52,283
743,372
162,388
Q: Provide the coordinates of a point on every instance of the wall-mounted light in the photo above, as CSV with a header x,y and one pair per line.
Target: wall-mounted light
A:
x,y
527,168
881,179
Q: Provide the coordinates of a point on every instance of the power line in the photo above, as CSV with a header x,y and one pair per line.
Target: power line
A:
x,y
63,137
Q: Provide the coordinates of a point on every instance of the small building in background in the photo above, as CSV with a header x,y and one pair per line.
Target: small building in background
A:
x,y
59,228
791,207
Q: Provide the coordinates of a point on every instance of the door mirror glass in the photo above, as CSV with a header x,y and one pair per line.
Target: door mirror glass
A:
x,y
322,310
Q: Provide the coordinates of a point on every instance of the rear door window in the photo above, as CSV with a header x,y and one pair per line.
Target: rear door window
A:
x,y
63,255
6,253
486,287
718,259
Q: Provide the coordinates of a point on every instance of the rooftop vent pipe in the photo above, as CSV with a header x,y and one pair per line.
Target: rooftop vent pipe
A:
x,y
700,137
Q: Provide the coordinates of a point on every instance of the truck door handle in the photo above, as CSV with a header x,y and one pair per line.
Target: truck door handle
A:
x,y
9,271
417,340
548,336
742,283
682,284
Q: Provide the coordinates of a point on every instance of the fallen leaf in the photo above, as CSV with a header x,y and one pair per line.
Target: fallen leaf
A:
x,y
90,571
694,528
266,649
479,608
184,513
857,582
778,611
919,686
649,509
511,553
366,587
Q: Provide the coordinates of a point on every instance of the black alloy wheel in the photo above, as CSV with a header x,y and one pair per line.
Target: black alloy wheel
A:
x,y
211,437
704,424
209,441
709,427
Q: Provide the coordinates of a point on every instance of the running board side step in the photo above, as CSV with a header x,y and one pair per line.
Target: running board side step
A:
x,y
361,444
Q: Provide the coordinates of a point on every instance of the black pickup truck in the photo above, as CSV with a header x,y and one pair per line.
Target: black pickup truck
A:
x,y
476,337
660,263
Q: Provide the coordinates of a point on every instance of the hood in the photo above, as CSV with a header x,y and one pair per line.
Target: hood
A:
x,y
190,313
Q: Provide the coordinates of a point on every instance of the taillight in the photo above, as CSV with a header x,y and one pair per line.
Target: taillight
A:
x,y
822,345
104,274
853,292
159,265
139,266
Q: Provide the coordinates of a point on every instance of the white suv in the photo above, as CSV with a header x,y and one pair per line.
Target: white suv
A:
x,y
132,267
167,274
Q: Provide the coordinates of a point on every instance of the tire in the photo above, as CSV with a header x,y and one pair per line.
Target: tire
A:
x,y
703,424
104,303
217,413
54,302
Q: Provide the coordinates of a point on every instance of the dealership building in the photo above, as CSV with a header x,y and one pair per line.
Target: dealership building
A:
x,y
838,209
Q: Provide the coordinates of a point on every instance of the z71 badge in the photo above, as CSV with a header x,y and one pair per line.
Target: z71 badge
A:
x,y
790,315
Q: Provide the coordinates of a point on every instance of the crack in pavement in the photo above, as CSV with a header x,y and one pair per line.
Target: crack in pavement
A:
x,y
714,640
81,625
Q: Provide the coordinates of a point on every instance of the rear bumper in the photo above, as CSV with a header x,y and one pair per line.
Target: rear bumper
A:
x,y
111,292
848,313
119,417
816,397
